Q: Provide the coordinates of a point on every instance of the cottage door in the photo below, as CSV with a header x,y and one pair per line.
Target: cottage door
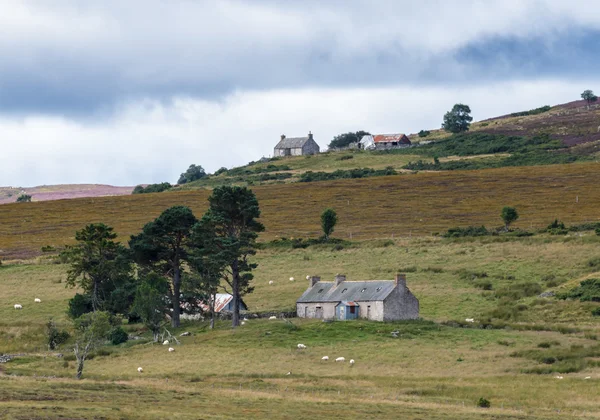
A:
x,y
342,313
368,312
319,312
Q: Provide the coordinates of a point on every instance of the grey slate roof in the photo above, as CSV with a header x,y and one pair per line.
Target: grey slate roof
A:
x,y
348,291
291,143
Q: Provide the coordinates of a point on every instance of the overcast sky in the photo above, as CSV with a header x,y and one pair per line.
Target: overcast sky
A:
x,y
128,92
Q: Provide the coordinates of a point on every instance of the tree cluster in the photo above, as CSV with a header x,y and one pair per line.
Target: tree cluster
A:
x,y
176,261
344,140
193,173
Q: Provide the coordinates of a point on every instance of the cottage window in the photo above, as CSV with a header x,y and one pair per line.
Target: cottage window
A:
x,y
362,291
378,289
352,309
320,290
344,290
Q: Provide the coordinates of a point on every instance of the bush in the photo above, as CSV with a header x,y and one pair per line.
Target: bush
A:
x,y
473,231
152,188
557,228
54,337
424,133
535,111
483,403
345,157
311,176
79,305
597,231
596,312
587,291
117,336
24,198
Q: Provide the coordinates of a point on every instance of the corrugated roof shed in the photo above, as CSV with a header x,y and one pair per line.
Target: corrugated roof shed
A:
x,y
221,301
291,142
390,138
348,291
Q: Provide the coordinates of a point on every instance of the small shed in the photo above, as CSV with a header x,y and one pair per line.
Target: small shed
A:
x,y
346,310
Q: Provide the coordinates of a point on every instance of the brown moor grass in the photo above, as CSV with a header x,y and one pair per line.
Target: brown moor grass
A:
x,y
402,205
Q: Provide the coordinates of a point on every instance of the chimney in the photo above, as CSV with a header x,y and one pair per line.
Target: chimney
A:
x,y
283,137
312,280
401,280
310,136
339,278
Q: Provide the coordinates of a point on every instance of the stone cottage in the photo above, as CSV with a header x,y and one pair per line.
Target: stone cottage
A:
x,y
377,300
296,146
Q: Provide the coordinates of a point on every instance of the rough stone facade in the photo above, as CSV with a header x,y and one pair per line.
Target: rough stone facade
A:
x,y
378,300
296,146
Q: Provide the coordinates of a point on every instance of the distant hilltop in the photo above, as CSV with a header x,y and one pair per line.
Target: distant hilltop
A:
x,y
59,192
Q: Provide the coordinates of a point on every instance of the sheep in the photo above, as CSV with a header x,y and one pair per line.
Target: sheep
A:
x,y
351,361
18,306
171,349
289,373
140,370
243,323
588,377
558,377
307,277
469,320
291,279
325,358
245,319
301,346
165,342
37,300
273,317
340,359
270,281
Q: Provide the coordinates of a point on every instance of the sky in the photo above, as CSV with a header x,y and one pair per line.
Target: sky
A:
x,y
131,92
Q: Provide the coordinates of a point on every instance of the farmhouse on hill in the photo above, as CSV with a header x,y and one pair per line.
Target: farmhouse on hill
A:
x,y
296,146
384,141
377,300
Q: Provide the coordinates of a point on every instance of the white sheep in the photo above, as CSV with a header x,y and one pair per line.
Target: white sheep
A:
x,y
270,281
273,317
301,346
340,359
165,342
245,319
588,377
291,279
469,320
171,349
243,323
307,277
18,306
325,358
140,370
351,361
558,377
37,300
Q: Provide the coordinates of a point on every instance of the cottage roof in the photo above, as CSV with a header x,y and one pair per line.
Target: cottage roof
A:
x,y
291,142
351,291
389,138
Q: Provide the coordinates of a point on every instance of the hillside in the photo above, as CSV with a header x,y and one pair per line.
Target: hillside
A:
x,y
59,192
402,205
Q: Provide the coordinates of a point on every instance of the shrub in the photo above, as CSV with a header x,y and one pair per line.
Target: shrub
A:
x,y
117,336
598,231
424,133
557,228
409,269
548,344
483,403
54,337
24,198
152,188
596,312
79,305
345,157
473,231
587,291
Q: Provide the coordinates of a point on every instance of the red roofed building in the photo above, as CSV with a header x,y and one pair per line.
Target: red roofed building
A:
x,y
391,140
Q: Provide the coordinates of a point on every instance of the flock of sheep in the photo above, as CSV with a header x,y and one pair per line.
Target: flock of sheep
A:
x,y
326,358
19,306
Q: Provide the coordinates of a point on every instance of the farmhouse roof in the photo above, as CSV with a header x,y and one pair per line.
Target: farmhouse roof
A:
x,y
221,301
350,291
291,142
389,138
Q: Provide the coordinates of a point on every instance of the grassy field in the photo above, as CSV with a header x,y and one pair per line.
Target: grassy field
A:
x,y
431,371
382,207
